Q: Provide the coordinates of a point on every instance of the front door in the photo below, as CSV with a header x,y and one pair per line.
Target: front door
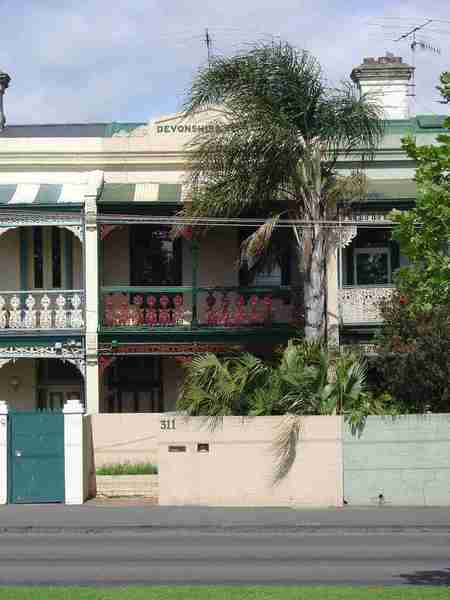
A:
x,y
36,457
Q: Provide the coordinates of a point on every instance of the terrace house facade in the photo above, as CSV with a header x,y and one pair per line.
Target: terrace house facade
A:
x,y
98,302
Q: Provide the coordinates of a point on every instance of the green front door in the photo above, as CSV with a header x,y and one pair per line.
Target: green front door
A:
x,y
36,457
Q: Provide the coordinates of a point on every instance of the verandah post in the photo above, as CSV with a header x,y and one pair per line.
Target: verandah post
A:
x,y
195,254
92,291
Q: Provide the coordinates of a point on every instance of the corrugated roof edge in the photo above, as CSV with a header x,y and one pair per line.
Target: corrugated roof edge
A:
x,y
50,130
417,123
413,125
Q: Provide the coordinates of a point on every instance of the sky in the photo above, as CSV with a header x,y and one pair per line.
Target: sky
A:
x,y
133,60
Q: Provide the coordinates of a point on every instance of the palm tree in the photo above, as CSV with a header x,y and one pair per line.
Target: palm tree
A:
x,y
305,378
275,154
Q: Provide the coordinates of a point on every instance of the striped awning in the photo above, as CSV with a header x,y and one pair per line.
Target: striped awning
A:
x,y
140,192
42,194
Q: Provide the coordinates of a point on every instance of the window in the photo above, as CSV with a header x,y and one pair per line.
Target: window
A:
x,y
275,275
269,277
57,382
372,266
371,259
51,258
135,385
155,258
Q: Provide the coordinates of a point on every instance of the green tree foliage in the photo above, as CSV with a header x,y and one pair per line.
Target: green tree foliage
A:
x,y
275,154
424,232
413,364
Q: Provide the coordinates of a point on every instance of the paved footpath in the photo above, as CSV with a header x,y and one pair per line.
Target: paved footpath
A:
x,y
134,516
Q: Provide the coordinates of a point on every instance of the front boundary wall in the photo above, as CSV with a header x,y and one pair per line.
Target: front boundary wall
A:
x,y
234,464
401,461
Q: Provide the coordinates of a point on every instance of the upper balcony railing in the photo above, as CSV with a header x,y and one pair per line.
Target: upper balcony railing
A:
x,y
361,305
205,307
41,310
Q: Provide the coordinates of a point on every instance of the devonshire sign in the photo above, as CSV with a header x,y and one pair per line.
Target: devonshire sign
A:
x,y
188,129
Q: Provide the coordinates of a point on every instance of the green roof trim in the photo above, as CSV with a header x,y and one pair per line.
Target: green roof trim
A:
x,y
417,124
169,192
141,193
115,127
117,192
391,189
430,121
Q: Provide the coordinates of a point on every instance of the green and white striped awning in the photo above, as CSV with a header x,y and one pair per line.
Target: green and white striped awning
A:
x,y
140,192
42,194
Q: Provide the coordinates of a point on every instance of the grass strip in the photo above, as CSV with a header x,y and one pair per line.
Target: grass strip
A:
x,y
226,593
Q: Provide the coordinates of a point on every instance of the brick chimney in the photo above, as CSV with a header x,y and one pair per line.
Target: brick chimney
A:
x,y
4,82
386,81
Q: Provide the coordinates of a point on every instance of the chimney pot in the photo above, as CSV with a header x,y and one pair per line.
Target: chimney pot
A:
x,y
4,83
386,80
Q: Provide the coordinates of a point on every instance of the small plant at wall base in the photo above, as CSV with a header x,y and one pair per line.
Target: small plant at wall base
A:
x,y
128,469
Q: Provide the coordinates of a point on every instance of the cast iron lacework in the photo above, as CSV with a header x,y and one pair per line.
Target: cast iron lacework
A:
x,y
12,220
42,310
362,305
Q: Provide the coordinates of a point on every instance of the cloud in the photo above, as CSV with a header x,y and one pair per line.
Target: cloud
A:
x,y
132,59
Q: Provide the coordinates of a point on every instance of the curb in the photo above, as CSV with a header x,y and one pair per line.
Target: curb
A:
x,y
282,529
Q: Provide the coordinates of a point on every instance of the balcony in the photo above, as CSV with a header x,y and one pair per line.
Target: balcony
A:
x,y
185,308
37,310
361,305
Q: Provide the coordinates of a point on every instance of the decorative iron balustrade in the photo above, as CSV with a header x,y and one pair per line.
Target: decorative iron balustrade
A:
x,y
184,306
46,309
249,307
362,304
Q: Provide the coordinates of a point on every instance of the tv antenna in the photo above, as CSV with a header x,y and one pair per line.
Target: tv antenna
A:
x,y
208,44
416,44
393,30
424,45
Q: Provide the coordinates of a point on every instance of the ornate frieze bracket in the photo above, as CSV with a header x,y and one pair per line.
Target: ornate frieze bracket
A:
x,y
76,229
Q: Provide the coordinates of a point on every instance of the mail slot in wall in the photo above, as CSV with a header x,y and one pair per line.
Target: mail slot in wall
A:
x,y
177,448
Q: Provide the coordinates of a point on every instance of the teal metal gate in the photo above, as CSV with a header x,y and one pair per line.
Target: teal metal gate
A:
x,y
36,457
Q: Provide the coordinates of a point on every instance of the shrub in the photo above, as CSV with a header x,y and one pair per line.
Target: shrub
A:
x,y
413,364
128,469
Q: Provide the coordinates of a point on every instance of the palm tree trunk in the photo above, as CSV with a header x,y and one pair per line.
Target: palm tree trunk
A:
x,y
314,269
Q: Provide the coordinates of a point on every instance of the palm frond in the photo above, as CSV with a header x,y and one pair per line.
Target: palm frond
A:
x,y
284,447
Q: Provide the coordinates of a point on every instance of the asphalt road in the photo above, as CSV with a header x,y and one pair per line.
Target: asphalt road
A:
x,y
233,556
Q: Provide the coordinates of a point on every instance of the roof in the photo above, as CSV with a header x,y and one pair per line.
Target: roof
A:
x,y
417,124
125,193
67,130
41,194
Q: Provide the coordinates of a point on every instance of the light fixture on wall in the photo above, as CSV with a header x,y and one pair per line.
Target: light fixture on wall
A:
x,y
14,383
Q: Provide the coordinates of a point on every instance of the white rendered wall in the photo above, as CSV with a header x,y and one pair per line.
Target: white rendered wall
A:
x,y
74,452
391,95
3,452
23,396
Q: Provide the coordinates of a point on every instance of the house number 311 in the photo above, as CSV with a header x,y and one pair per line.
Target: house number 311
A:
x,y
167,424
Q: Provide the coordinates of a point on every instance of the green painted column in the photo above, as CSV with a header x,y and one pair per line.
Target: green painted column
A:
x,y
195,254
68,259
23,258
